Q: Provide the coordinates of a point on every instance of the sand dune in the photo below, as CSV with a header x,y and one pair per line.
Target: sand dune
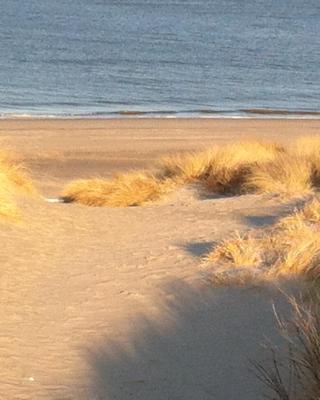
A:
x,y
103,303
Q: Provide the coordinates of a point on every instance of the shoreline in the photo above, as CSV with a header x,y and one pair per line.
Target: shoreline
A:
x,y
145,116
240,113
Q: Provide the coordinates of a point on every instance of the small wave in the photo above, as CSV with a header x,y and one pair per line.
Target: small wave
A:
x,y
252,113
270,111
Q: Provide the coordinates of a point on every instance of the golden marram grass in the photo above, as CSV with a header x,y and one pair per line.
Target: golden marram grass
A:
x,y
131,189
288,249
234,169
14,179
286,174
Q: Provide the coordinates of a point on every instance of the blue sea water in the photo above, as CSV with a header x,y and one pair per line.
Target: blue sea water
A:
x,y
163,57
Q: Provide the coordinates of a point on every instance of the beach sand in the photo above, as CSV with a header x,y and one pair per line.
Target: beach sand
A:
x,y
102,303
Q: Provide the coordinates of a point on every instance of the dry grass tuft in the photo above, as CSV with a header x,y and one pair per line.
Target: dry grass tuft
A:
x,y
240,251
221,169
290,248
124,190
229,169
186,167
13,180
16,173
238,261
309,148
226,178
286,174
297,375
296,243
249,152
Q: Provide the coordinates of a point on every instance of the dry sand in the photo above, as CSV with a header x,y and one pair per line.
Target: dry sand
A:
x,y
111,303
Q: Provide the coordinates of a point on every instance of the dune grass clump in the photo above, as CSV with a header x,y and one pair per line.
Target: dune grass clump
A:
x,y
296,242
295,375
16,173
131,189
239,251
231,166
288,249
186,167
308,147
14,180
233,169
221,169
237,260
286,174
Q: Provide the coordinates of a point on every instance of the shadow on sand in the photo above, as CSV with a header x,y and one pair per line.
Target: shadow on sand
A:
x,y
287,208
198,249
198,349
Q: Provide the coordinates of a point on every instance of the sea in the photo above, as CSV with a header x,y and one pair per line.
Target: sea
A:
x,y
164,58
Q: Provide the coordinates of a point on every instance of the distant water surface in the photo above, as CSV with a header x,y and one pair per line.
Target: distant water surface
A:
x,y
163,57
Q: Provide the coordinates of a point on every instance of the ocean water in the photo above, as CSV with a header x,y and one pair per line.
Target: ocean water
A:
x,y
159,57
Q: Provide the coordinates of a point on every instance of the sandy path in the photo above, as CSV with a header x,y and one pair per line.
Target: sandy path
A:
x,y
109,303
